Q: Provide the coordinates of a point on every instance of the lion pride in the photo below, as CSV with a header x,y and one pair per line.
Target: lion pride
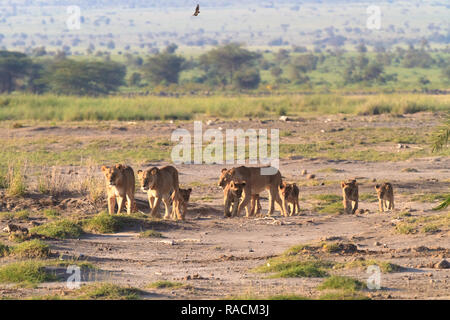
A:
x,y
256,182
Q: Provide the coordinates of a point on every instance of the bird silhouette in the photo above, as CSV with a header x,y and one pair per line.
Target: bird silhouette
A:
x,y
197,10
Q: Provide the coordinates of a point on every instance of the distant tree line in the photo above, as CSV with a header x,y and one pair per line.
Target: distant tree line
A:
x,y
229,66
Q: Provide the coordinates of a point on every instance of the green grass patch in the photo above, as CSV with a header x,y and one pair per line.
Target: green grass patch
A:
x,y
31,249
103,223
425,224
60,229
165,284
369,197
343,295
285,296
4,250
21,215
25,272
385,267
429,197
108,291
150,234
51,213
328,204
287,267
343,283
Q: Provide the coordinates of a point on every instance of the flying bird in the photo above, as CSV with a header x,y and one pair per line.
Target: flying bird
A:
x,y
197,10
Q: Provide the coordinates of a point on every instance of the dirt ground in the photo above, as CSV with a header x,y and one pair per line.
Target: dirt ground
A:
x,y
215,255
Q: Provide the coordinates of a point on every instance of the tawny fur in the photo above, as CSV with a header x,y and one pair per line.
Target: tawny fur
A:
x,y
385,194
120,187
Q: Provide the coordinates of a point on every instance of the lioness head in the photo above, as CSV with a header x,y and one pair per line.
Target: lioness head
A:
x,y
349,186
237,188
148,178
224,178
113,174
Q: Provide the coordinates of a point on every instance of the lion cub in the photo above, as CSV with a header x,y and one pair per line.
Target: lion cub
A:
x,y
385,194
183,201
289,193
224,182
232,194
159,183
350,194
120,184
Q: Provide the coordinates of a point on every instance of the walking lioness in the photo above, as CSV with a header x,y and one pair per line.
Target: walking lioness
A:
x,y
231,198
350,195
256,181
159,184
385,194
120,185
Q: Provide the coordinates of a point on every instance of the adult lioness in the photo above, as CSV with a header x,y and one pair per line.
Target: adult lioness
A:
x,y
120,184
159,184
289,196
228,198
256,182
350,195
385,194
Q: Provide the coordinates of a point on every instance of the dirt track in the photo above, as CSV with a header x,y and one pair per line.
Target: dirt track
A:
x,y
217,254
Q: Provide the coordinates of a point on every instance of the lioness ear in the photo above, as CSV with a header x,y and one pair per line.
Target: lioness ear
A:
x,y
243,183
119,166
377,186
154,171
189,190
223,170
342,184
139,172
104,168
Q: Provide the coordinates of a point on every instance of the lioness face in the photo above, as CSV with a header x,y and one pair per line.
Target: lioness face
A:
x,y
225,177
113,175
147,178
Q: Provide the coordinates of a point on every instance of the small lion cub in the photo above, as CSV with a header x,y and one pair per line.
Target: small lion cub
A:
x,y
289,193
120,184
233,193
385,194
350,196
183,201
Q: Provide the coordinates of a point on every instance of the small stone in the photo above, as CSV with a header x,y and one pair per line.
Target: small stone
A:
x,y
284,118
310,176
304,172
377,243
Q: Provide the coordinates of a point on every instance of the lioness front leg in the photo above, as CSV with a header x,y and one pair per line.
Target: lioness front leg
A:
x,y
355,206
245,201
155,210
167,214
111,204
130,203
120,204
